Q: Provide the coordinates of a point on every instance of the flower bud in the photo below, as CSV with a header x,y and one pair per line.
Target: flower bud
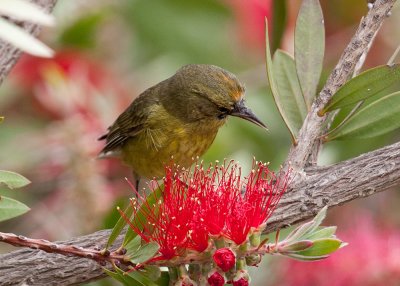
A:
x,y
241,282
224,258
253,260
216,279
241,278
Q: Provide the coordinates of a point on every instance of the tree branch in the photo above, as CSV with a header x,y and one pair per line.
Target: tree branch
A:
x,y
334,185
360,177
9,54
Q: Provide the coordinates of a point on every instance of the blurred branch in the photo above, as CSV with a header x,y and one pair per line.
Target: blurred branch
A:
x,y
9,54
333,185
315,187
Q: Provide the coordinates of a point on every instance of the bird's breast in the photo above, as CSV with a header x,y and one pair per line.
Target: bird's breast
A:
x,y
153,148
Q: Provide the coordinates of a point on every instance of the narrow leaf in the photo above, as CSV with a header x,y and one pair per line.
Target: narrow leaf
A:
x,y
164,279
300,231
296,246
271,81
319,218
119,226
134,245
325,232
309,45
151,201
139,277
13,180
343,115
363,86
321,247
393,57
130,280
289,99
10,208
144,253
152,272
306,258
377,118
22,40
115,275
26,11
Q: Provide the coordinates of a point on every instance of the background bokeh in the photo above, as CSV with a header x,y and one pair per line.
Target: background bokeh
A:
x,y
108,52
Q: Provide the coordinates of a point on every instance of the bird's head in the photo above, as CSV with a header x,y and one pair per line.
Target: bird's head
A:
x,y
211,92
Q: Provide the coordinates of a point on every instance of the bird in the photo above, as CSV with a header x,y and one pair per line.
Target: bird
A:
x,y
177,118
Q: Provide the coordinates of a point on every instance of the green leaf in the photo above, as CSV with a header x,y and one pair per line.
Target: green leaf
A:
x,y
115,275
307,228
322,247
164,279
134,278
1,119
144,253
325,232
318,219
134,245
141,214
119,226
138,276
363,86
343,115
152,272
309,45
306,258
289,98
300,231
10,208
377,118
13,180
271,80
296,246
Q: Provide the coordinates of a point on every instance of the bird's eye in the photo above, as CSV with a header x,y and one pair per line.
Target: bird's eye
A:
x,y
223,112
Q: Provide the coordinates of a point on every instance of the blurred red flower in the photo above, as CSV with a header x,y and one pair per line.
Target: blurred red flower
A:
x,y
250,16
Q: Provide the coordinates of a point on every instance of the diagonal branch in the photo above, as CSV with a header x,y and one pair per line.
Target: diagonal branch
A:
x,y
312,125
333,185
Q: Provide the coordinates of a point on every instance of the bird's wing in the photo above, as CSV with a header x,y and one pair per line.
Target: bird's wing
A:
x,y
130,123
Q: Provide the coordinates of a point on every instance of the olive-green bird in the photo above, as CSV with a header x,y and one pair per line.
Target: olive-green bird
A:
x,y
178,117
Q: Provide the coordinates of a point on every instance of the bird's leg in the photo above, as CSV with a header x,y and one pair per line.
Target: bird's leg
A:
x,y
136,179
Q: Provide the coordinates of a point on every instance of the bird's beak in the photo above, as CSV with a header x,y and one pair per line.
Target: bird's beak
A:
x,y
242,111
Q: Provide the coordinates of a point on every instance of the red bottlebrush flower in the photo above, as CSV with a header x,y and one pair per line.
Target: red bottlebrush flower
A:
x,y
224,258
216,279
262,192
168,221
69,74
208,202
